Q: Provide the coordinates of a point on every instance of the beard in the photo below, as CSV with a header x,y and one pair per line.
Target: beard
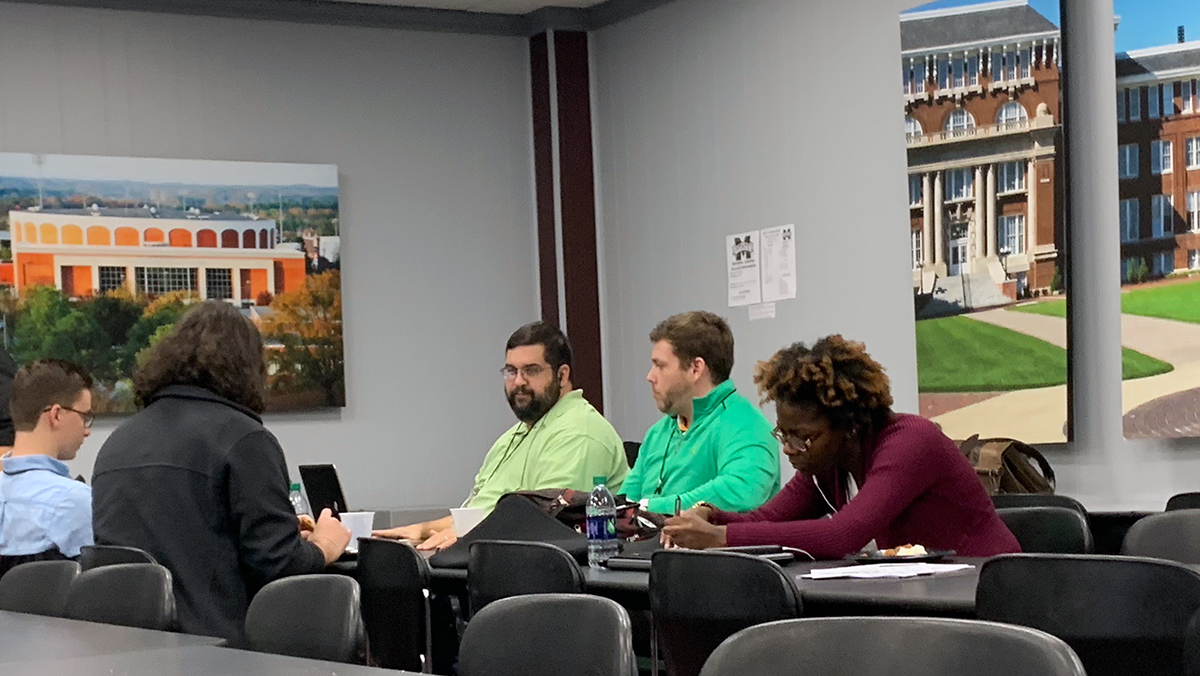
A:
x,y
672,398
538,405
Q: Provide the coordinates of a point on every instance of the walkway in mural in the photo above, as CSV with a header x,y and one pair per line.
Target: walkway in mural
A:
x,y
1156,407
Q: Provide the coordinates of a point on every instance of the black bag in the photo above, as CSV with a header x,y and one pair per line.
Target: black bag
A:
x,y
514,518
570,507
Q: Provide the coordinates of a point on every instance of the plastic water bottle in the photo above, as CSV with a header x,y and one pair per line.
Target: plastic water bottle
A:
x,y
601,524
299,503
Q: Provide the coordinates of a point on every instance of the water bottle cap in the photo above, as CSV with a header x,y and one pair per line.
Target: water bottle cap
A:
x,y
599,480
295,487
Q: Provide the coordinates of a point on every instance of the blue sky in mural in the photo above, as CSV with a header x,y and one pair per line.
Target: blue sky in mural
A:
x,y
1144,23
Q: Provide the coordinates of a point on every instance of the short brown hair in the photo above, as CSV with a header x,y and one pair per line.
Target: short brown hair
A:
x,y
212,346
41,384
699,334
835,375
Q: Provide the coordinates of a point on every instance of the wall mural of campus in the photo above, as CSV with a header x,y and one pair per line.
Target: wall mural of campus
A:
x,y
1158,132
101,255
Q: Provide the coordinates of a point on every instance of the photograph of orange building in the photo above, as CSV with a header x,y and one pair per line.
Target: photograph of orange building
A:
x,y
100,256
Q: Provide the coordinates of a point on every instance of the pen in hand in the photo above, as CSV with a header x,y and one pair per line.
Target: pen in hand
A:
x,y
678,504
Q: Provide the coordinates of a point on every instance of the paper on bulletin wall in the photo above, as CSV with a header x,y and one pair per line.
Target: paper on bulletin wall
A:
x,y
778,263
762,311
741,256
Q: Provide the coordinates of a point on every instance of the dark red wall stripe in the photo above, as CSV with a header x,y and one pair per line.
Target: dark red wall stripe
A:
x,y
543,165
578,197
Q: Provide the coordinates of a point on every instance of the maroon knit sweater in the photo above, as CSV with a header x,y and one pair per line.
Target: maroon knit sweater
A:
x,y
917,489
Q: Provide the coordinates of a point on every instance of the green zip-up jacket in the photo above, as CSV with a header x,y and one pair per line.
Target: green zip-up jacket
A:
x,y
727,457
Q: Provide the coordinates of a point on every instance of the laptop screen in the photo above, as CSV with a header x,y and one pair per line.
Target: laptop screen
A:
x,y
323,488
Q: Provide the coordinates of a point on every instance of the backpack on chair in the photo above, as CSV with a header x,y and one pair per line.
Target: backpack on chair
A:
x,y
1004,465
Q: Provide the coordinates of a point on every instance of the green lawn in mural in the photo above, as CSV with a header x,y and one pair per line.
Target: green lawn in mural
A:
x,y
960,354
1180,302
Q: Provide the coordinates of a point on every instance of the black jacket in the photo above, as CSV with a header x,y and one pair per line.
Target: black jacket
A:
x,y
8,369
197,481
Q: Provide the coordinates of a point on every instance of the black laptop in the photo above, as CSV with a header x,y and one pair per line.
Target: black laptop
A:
x,y
323,489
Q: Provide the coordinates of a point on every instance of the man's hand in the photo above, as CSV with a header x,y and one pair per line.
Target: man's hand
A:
x,y
330,535
439,541
693,532
416,532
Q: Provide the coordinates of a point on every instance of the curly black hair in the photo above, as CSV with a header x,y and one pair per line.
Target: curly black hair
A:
x,y
212,346
835,375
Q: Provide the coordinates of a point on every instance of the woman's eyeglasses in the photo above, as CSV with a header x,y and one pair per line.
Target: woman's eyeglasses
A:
x,y
795,441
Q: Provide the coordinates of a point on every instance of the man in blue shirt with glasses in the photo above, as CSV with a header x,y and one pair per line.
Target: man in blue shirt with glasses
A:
x,y
44,514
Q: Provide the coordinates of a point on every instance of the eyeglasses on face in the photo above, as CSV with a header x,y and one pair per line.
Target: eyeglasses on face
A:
x,y
88,416
794,441
528,372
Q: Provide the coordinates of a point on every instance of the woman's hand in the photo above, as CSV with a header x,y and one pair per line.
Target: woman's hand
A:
x,y
692,530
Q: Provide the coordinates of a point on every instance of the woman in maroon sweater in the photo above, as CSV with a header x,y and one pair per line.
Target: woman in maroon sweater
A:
x,y
876,475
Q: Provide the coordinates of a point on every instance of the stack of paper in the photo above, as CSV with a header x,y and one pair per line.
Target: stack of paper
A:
x,y
885,570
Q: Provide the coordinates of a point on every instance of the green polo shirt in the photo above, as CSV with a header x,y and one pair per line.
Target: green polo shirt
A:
x,y
727,457
566,448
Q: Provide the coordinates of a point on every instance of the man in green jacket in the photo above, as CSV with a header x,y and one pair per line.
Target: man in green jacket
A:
x,y
713,445
559,441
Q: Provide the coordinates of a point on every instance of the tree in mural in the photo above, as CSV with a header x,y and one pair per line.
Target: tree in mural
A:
x,y
304,329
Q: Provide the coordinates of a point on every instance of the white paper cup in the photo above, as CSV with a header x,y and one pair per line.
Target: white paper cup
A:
x,y
359,524
466,518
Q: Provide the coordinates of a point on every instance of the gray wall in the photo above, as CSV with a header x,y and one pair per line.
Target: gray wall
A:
x,y
431,133
716,117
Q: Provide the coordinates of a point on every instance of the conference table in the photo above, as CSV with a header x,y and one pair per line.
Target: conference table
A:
x,y
32,645
945,594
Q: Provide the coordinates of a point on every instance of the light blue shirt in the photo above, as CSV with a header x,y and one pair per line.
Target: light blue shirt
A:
x,y
42,507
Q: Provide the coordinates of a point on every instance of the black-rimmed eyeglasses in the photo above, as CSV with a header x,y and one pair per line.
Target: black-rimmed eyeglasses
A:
x,y
88,416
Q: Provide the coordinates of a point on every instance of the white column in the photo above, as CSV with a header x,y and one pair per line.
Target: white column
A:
x,y
939,255
992,209
96,280
235,277
978,227
271,277
130,279
926,220
202,282
1031,187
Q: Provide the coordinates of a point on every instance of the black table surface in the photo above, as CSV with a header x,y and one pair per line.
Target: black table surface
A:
x,y
31,645
951,594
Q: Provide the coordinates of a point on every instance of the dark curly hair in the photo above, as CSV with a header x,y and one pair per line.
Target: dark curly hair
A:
x,y
212,346
835,375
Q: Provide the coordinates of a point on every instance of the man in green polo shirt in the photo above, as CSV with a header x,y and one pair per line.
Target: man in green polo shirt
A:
x,y
713,445
561,441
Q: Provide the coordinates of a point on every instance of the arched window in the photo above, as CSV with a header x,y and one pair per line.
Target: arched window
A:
x,y
206,239
154,236
1011,114
229,239
72,234
959,122
249,240
99,235
912,128
31,233
49,233
180,237
124,236
262,239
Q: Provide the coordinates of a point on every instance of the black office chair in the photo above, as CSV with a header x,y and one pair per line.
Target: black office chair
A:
x,y
1011,500
38,588
631,451
1183,501
1174,536
94,556
311,616
394,579
497,569
128,594
1121,615
1049,530
548,635
698,599
913,646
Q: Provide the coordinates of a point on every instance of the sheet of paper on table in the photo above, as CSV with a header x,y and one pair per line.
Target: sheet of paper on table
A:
x,y
885,570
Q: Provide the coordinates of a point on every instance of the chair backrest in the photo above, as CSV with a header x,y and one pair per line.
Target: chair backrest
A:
x,y
548,635
497,569
1010,500
312,616
1049,530
631,451
394,579
129,594
38,588
1174,536
1183,501
698,599
1121,615
913,646
94,556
